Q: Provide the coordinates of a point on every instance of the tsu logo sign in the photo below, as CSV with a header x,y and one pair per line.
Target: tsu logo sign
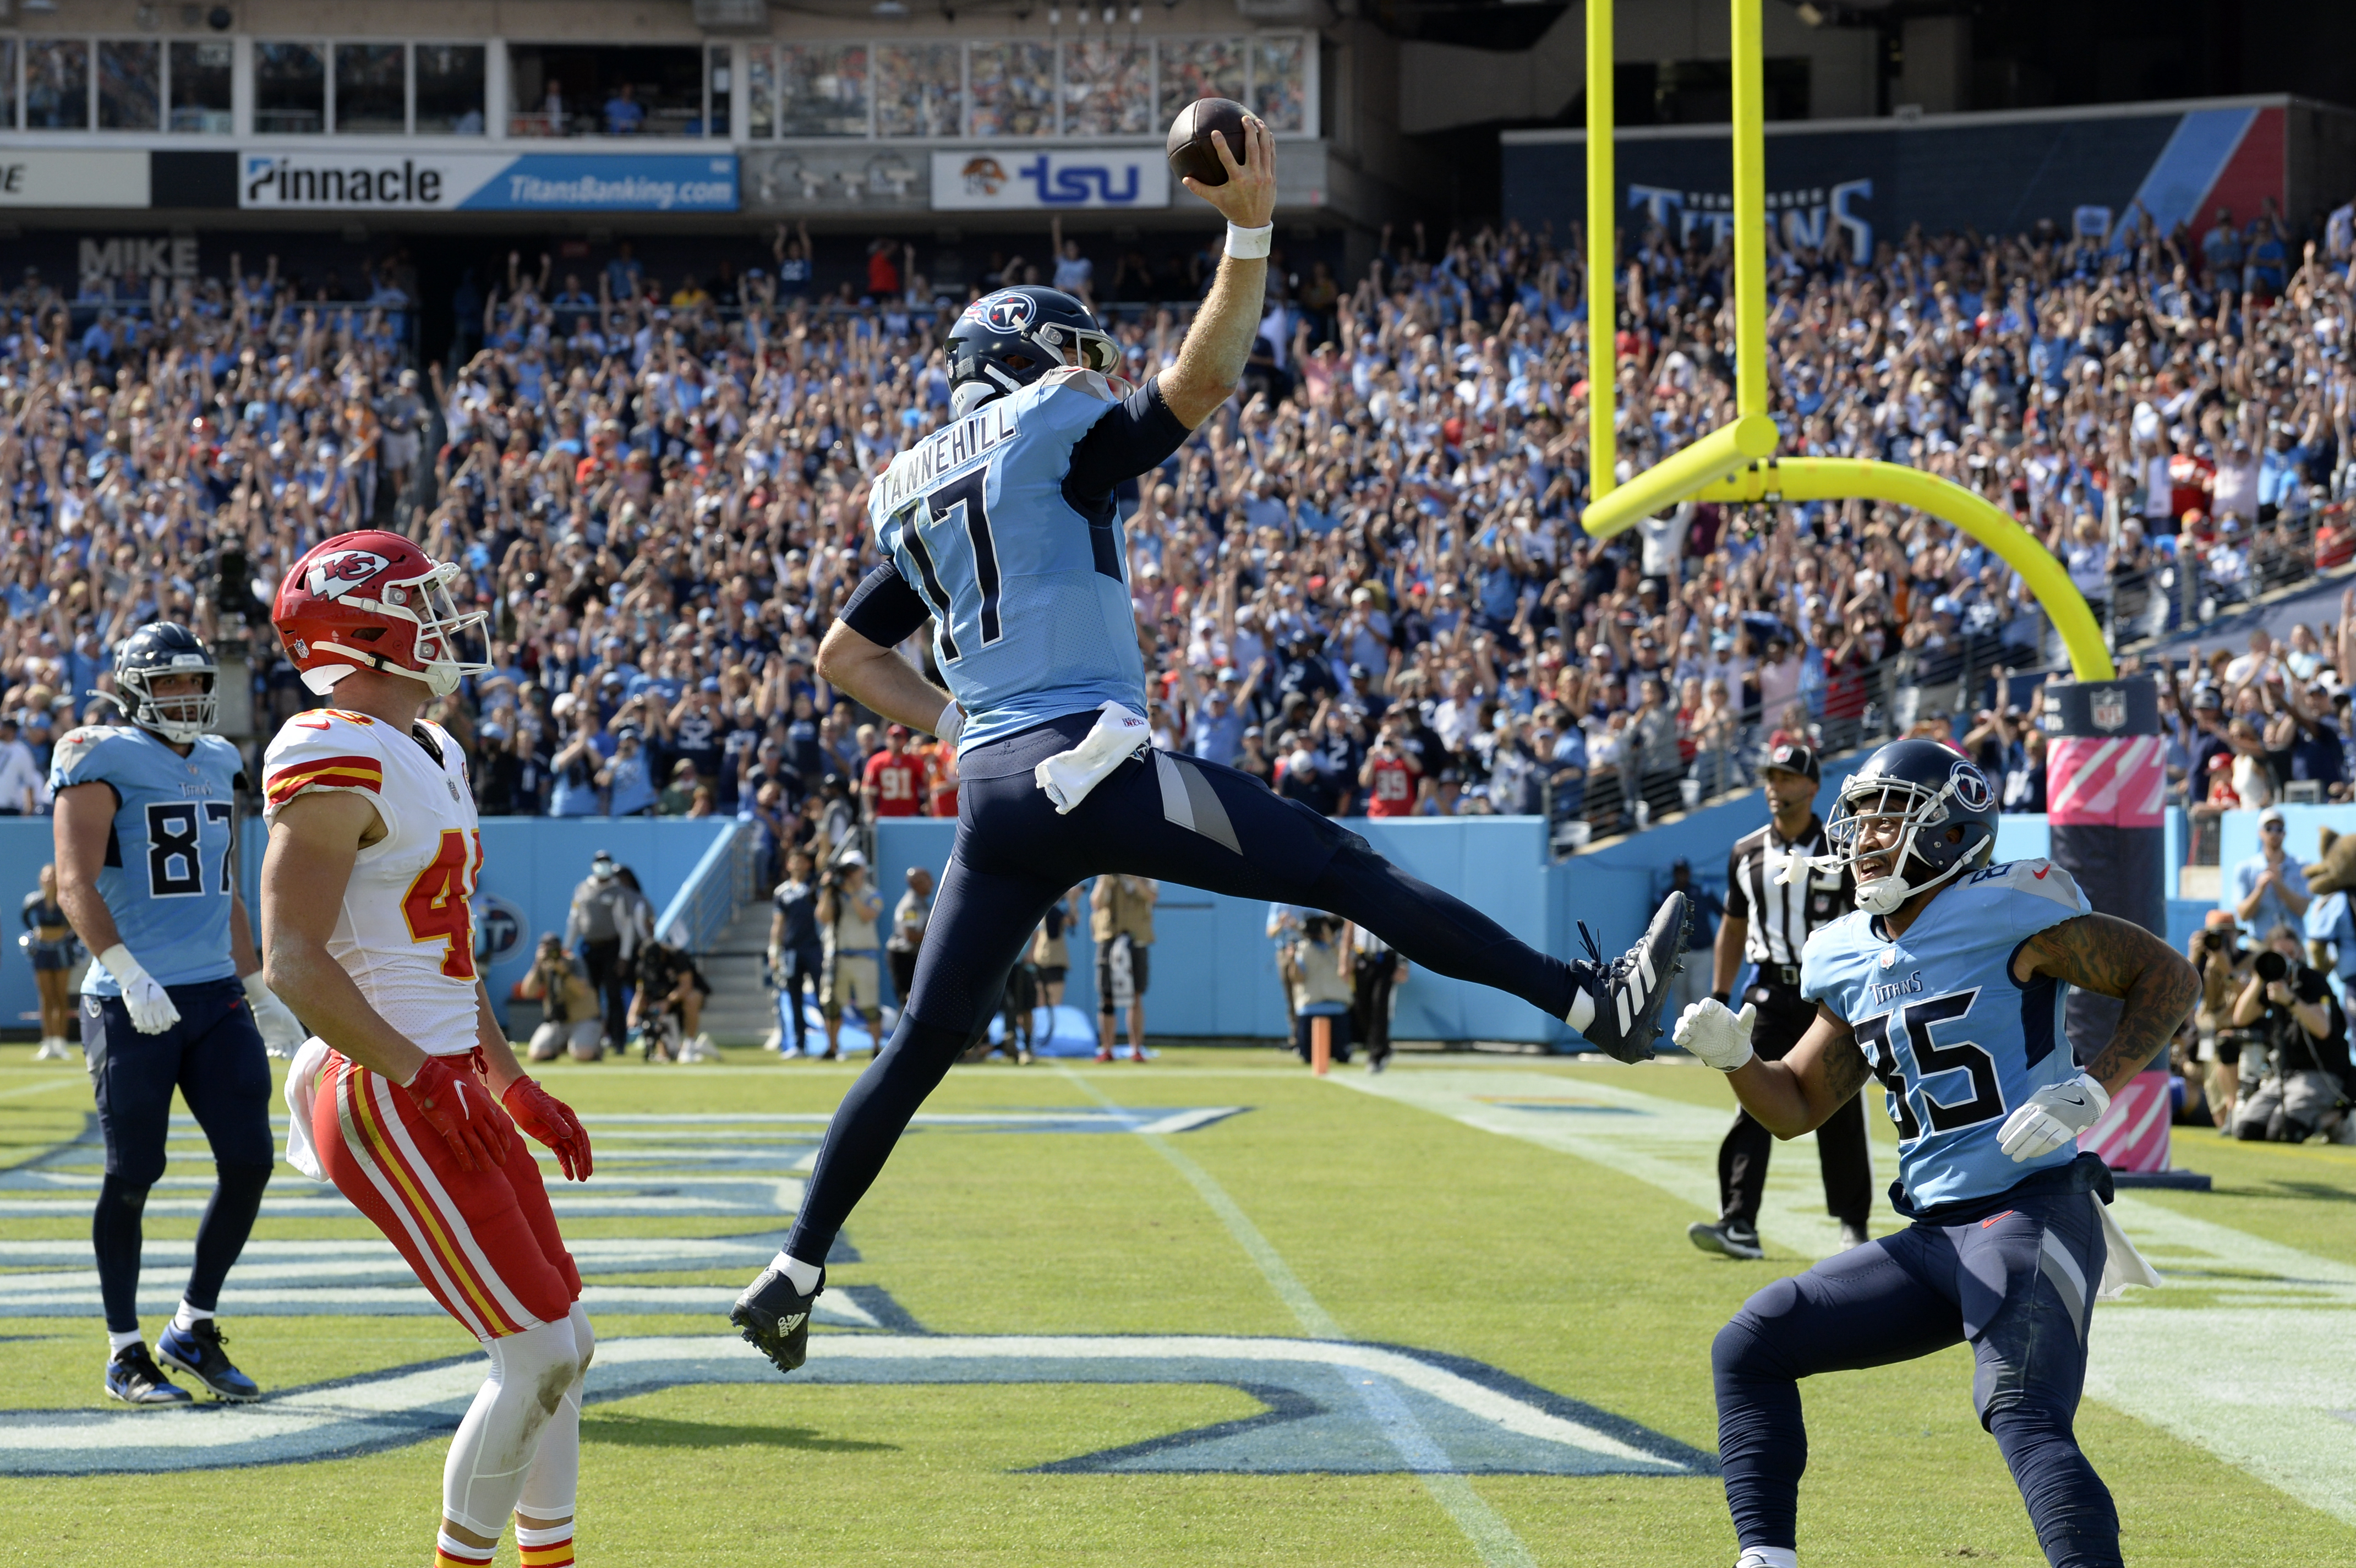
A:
x,y
338,574
1099,178
1971,787
499,930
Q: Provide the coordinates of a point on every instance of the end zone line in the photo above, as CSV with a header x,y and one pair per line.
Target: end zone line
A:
x,y
80,1078
1490,1536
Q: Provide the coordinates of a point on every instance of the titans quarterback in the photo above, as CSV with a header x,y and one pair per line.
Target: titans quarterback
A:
x,y
1002,529
1946,984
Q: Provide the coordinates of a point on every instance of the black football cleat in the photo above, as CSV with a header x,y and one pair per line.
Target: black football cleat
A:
x,y
1627,994
773,1317
133,1378
197,1352
1731,1237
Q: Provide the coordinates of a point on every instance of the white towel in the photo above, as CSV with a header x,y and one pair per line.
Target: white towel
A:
x,y
1069,776
2121,1265
301,1087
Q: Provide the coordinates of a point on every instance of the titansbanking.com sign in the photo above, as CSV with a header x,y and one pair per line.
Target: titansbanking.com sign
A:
x,y
478,182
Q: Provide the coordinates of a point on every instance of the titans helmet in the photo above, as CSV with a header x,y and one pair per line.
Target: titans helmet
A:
x,y
1943,809
149,655
1007,340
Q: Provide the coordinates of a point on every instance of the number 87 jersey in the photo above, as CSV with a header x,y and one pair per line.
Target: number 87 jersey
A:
x,y
406,933
1957,1042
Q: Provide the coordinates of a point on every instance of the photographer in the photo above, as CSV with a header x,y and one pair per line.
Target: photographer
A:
x,y
670,984
2219,959
847,908
569,1017
2302,1065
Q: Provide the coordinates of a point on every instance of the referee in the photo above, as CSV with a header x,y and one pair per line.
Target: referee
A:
x,y
1768,923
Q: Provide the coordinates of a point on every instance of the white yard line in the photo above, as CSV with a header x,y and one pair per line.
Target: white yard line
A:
x,y
1490,1536
2266,1382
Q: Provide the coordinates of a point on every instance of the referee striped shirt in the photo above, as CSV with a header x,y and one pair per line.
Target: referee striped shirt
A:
x,y
1779,916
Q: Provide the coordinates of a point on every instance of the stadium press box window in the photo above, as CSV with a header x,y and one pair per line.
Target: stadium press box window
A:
x,y
618,89
302,87
1010,89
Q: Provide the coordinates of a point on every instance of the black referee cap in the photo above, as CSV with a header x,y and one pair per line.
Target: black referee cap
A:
x,y
1794,758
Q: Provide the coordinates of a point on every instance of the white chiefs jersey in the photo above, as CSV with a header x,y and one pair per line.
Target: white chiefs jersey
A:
x,y
406,932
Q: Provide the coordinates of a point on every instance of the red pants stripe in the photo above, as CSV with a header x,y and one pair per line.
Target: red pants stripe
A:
x,y
484,1243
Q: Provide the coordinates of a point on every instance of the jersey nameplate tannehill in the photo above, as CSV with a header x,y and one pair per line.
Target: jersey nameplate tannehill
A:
x,y
913,471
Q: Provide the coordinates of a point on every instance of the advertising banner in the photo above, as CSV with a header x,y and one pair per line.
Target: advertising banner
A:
x,y
47,178
1855,183
405,180
1013,181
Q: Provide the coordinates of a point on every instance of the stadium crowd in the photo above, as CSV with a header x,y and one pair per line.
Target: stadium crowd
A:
x,y
1363,581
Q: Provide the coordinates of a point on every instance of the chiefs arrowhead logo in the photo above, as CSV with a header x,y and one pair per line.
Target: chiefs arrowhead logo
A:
x,y
333,576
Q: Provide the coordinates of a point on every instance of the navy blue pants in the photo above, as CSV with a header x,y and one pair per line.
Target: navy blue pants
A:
x,y
2016,1285
214,1058
1172,818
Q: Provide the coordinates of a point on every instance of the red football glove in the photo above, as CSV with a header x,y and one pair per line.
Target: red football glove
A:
x,y
551,1122
460,1109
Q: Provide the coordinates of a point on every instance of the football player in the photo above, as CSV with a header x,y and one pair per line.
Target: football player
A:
x,y
373,854
1002,529
1946,984
146,836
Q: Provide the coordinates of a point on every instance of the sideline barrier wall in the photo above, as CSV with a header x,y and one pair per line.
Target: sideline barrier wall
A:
x,y
530,865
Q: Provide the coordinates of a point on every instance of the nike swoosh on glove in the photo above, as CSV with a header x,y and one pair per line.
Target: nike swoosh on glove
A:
x,y
2053,1116
551,1122
144,998
282,1035
1715,1034
459,1108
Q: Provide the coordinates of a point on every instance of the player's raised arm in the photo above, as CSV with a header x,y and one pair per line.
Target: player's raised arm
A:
x,y
1789,1097
1211,360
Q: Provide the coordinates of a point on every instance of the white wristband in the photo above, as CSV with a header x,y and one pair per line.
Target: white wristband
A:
x,y
951,724
1249,244
117,961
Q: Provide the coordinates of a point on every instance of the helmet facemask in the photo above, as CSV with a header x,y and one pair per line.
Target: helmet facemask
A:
x,y
1917,862
179,719
449,644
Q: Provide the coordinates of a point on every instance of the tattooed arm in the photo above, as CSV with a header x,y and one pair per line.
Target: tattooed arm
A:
x,y
2111,957
1798,1094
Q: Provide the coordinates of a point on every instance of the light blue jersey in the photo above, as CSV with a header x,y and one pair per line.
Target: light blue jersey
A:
x,y
1030,598
1957,1042
166,876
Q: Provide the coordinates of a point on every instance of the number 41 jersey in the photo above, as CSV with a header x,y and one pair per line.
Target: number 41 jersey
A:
x,y
1957,1042
406,933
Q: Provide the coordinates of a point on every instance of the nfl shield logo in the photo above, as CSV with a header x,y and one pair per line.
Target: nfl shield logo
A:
x,y
2109,710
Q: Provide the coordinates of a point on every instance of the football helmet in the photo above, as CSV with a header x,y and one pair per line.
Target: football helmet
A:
x,y
151,654
1945,812
1007,340
372,599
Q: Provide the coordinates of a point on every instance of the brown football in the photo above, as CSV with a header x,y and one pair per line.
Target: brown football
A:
x,y
1190,150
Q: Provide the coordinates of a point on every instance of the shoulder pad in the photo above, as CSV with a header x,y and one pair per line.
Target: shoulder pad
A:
x,y
323,748
1093,382
2039,878
76,758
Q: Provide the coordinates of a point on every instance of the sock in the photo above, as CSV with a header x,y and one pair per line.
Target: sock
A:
x,y
550,1548
118,1343
1582,1014
449,1551
1768,1557
188,1316
805,1276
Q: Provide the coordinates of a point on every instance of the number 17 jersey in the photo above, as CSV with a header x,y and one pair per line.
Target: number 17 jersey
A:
x,y
405,932
1957,1042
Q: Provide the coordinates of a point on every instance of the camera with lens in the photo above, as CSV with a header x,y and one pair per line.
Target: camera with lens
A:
x,y
2272,966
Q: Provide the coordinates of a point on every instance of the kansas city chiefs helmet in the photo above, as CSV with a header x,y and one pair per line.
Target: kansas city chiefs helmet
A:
x,y
373,600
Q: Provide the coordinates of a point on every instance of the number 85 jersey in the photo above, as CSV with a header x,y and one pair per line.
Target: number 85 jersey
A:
x,y
1957,1042
406,933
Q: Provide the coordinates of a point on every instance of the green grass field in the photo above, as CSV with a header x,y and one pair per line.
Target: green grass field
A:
x,y
1523,1215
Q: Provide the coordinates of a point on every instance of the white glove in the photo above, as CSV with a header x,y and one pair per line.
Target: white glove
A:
x,y
951,724
1717,1035
149,1004
2053,1116
281,1035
